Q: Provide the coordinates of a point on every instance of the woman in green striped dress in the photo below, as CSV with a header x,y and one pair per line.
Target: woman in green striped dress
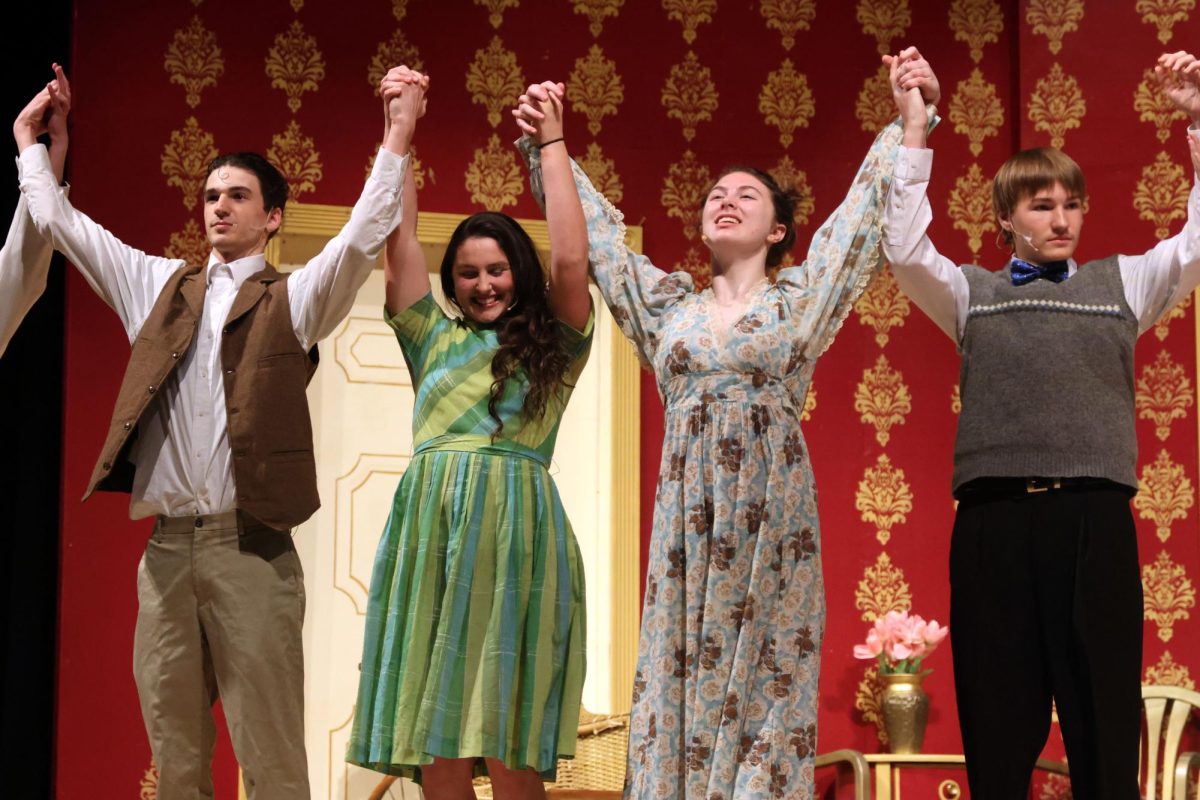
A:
x,y
475,628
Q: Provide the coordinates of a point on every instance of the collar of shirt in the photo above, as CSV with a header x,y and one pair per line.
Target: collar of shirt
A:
x,y
240,270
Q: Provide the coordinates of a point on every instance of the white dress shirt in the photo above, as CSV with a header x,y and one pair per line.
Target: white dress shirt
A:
x,y
182,456
1154,281
24,267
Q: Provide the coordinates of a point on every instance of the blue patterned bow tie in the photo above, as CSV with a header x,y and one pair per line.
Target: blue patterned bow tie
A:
x,y
1023,272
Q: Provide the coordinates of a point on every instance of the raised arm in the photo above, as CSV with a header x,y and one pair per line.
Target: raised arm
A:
x,y
934,282
913,84
59,90
323,292
541,118
126,279
25,255
405,273
638,293
845,253
1166,274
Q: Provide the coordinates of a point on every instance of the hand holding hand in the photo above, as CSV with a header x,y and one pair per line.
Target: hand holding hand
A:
x,y
915,72
403,92
1179,75
56,125
60,105
31,122
906,91
539,112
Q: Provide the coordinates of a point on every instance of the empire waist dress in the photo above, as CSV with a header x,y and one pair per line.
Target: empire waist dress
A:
x,y
475,624
725,694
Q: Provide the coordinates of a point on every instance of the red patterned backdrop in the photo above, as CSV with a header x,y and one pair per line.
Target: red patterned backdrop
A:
x,y
664,92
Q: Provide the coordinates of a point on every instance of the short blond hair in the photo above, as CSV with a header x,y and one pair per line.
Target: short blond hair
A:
x,y
1027,173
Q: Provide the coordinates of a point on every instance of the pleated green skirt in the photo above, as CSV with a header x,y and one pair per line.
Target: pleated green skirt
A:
x,y
475,627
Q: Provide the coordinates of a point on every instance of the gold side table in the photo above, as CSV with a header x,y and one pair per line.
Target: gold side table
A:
x,y
886,768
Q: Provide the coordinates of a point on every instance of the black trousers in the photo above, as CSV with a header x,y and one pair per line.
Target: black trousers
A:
x,y
1046,603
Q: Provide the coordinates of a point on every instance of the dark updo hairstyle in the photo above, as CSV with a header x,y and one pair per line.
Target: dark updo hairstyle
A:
x,y
784,201
528,330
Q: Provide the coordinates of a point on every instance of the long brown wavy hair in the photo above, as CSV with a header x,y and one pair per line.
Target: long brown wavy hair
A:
x,y
528,331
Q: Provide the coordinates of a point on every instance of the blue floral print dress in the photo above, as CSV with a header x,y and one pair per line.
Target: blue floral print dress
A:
x,y
725,695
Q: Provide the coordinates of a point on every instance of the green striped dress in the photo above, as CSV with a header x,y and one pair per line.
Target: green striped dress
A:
x,y
475,624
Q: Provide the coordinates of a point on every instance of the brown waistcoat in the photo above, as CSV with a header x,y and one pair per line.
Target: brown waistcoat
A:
x,y
266,373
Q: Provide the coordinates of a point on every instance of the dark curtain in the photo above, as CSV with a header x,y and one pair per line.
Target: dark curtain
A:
x,y
31,383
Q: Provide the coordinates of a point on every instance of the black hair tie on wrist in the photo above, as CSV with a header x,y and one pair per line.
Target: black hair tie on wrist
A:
x,y
544,145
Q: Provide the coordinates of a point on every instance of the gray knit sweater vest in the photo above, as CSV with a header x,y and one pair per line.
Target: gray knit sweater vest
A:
x,y
1047,378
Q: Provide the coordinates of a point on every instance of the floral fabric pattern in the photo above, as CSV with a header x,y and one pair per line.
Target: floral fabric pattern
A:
x,y
725,695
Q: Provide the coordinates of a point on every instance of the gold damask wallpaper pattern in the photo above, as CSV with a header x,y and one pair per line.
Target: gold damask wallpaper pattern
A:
x,y
661,95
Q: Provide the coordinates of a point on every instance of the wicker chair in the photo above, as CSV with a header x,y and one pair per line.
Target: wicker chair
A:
x,y
598,768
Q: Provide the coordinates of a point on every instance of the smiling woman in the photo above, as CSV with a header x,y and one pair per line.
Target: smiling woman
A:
x,y
725,691
474,649
482,278
362,401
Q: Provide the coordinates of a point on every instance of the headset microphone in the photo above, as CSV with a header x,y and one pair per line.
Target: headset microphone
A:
x,y
1028,239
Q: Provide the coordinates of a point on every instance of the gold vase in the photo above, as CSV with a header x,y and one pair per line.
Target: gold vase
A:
x,y
905,712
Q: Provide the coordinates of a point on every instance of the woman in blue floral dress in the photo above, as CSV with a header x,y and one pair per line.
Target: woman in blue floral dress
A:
x,y
725,695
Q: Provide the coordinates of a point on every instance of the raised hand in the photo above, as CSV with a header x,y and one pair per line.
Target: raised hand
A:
x,y
1179,75
914,72
539,111
403,93
906,91
31,121
56,125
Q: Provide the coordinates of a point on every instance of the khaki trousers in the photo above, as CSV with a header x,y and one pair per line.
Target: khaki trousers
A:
x,y
220,611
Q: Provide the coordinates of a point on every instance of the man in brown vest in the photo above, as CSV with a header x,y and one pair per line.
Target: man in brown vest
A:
x,y
211,434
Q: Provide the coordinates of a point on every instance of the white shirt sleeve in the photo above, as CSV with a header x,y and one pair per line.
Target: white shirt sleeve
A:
x,y
24,267
126,278
322,293
934,282
1161,278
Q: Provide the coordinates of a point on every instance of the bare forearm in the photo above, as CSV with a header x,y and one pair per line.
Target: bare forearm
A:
x,y
568,238
405,274
564,212
58,156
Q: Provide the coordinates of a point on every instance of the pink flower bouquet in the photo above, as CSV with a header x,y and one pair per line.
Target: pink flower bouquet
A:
x,y
900,642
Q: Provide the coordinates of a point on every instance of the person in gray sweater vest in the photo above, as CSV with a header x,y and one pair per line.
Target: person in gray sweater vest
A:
x,y
1043,557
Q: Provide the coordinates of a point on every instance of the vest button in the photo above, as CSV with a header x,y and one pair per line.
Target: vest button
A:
x,y
127,425
229,370
151,389
107,465
174,355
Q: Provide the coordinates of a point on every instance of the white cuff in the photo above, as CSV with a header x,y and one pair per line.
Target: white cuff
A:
x,y
914,164
389,168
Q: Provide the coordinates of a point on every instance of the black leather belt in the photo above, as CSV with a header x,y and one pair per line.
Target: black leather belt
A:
x,y
998,488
